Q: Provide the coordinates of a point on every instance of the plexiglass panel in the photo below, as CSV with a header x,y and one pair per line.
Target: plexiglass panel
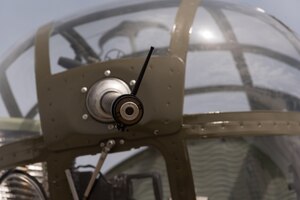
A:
x,y
21,79
60,47
274,74
129,34
239,169
3,110
140,173
147,161
215,102
241,51
120,32
211,69
260,33
205,29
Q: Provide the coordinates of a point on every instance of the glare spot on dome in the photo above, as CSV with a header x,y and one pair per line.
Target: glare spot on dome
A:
x,y
207,35
174,28
260,10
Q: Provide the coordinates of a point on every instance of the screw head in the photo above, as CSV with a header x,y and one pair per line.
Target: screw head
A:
x,y
107,73
132,82
85,116
84,90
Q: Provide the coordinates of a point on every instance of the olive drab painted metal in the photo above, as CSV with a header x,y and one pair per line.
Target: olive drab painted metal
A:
x,y
61,106
67,135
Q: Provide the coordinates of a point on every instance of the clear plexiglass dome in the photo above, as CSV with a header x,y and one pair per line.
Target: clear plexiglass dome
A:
x,y
239,58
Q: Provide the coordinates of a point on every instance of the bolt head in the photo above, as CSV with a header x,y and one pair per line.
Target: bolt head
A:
x,y
132,82
84,90
107,73
85,116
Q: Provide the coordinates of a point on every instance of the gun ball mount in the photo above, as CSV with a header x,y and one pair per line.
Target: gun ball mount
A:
x,y
128,110
111,101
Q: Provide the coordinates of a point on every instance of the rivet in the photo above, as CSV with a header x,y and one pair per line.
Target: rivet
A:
x,y
132,82
122,142
156,132
107,72
83,89
242,125
85,116
110,126
110,143
259,125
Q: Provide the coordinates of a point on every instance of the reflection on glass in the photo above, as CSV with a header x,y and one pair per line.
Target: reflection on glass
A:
x,y
260,10
207,34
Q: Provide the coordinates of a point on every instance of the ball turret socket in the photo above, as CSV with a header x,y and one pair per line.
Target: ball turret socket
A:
x,y
100,98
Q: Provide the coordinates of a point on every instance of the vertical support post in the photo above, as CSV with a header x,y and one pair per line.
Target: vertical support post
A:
x,y
58,183
178,166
